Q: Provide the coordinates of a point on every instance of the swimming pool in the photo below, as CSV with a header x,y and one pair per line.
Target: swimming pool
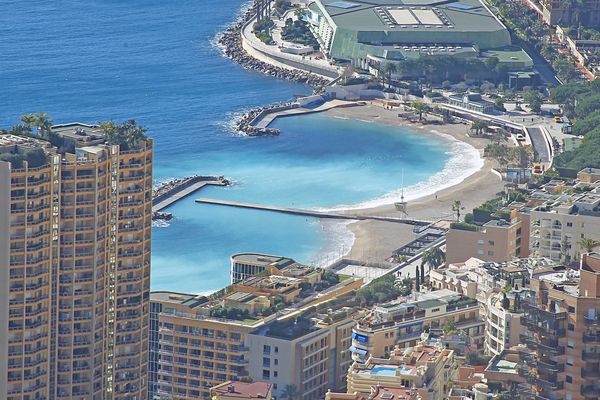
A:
x,y
387,371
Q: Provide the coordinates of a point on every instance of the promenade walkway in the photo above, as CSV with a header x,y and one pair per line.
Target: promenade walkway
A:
x,y
273,55
267,119
310,213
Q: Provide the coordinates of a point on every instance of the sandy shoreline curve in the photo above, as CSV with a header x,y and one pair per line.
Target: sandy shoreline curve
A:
x,y
375,240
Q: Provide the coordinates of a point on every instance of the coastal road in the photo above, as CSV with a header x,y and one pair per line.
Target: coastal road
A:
x,y
538,140
310,213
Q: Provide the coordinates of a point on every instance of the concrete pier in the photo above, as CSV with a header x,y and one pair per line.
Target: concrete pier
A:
x,y
311,213
184,189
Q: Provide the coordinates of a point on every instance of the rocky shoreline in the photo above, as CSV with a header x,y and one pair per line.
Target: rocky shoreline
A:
x,y
231,40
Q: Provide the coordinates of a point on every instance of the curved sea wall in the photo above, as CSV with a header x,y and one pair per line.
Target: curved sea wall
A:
x,y
231,40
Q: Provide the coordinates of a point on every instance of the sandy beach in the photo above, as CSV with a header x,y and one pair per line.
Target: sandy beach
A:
x,y
374,240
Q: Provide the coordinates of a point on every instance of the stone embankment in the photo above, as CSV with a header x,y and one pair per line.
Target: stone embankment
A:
x,y
231,40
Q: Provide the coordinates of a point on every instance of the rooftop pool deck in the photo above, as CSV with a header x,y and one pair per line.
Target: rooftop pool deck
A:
x,y
385,370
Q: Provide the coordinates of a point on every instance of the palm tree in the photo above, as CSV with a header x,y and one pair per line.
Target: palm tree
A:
x,y
589,244
420,107
457,207
433,258
390,68
479,126
290,392
40,120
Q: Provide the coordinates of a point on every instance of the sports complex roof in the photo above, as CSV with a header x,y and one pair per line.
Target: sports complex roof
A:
x,y
398,15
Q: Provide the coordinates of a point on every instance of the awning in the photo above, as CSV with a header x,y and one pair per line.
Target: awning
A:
x,y
358,350
360,338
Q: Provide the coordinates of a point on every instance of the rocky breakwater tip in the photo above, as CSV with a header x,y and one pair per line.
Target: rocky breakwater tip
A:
x,y
231,40
247,124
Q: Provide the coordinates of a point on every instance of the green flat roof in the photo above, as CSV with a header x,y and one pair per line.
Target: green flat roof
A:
x,y
463,15
509,54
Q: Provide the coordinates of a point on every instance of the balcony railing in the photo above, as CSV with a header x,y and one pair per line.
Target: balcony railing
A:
x,y
590,391
591,338
590,373
590,356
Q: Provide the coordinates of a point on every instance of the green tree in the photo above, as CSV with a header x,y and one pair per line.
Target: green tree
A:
x,y
499,103
420,107
417,280
588,244
290,392
128,135
449,327
390,69
39,120
433,257
457,208
534,99
479,126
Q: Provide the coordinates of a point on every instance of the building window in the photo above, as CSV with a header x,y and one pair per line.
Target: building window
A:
x,y
569,361
569,224
275,374
571,327
570,344
490,253
266,349
266,374
571,309
569,379
266,362
491,242
276,349
276,361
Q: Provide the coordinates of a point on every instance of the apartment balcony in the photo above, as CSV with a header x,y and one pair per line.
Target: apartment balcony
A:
x,y
590,355
590,373
590,392
539,326
591,321
549,385
591,338
550,366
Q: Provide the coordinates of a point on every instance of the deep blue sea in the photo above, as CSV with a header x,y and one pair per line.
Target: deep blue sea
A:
x,y
155,61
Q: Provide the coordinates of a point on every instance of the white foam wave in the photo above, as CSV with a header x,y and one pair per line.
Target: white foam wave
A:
x,y
338,242
465,160
238,15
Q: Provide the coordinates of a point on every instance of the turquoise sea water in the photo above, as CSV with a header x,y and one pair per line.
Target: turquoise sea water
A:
x,y
155,61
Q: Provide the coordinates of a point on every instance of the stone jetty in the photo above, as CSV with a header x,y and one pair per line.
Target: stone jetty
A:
x,y
245,126
231,40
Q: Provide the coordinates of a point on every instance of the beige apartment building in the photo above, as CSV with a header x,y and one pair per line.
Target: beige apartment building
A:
x,y
497,240
420,372
74,266
559,225
314,356
486,282
400,323
562,320
198,342
502,325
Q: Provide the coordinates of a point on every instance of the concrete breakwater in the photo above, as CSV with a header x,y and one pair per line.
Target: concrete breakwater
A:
x,y
173,190
231,40
246,124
